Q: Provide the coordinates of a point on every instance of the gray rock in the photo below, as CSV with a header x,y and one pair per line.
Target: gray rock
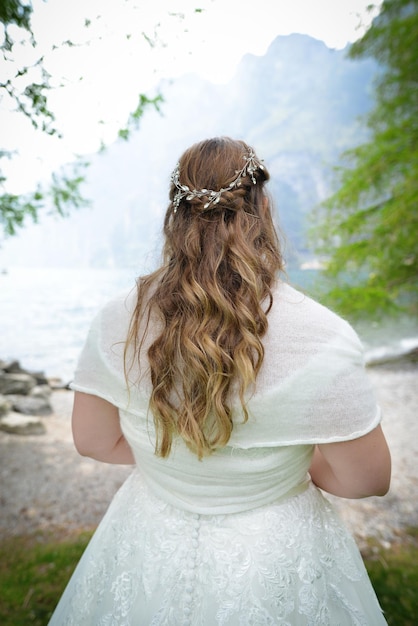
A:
x,y
22,425
16,383
5,405
41,391
56,384
395,355
13,367
40,378
29,405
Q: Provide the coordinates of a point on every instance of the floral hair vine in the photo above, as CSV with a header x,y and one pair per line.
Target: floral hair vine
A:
x,y
252,164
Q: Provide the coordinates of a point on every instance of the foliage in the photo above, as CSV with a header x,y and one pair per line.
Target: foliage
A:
x,y
25,88
367,230
35,569
14,12
62,194
135,116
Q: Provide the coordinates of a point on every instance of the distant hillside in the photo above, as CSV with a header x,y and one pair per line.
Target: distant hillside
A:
x,y
297,105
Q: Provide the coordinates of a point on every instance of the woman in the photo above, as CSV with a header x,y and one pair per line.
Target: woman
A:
x,y
236,397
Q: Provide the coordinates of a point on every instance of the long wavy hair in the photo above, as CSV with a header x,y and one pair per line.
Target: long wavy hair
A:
x,y
209,300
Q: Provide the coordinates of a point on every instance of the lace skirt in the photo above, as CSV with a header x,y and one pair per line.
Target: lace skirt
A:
x,y
149,564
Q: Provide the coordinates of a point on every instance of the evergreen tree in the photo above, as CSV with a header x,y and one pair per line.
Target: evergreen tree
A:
x,y
367,230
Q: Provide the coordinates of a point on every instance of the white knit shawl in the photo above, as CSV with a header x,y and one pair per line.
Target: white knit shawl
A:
x,y
312,387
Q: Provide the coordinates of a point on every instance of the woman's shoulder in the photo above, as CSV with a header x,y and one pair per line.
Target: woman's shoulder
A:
x,y
309,344
113,317
293,309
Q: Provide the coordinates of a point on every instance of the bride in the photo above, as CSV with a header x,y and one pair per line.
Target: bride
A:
x,y
240,401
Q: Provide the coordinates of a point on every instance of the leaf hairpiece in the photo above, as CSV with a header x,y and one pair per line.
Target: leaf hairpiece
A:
x,y
252,164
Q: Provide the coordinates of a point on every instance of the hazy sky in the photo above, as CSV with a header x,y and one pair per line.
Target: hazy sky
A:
x,y
129,45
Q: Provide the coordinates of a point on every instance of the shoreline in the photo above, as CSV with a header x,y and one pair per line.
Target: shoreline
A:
x,y
47,486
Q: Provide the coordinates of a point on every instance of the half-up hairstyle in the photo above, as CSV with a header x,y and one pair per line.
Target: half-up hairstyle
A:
x,y
209,299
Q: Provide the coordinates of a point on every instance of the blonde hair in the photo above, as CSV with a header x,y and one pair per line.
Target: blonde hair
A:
x,y
210,299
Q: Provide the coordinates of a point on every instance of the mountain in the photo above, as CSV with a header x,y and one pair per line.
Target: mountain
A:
x,y
298,106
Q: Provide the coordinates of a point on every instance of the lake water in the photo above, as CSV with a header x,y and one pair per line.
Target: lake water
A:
x,y
45,315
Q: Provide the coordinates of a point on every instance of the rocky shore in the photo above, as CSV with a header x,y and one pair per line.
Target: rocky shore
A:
x,y
24,397
46,485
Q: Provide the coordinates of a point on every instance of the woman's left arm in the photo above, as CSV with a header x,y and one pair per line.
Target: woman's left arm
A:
x,y
97,432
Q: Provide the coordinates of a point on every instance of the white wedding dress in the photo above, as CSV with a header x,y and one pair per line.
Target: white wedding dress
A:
x,y
241,538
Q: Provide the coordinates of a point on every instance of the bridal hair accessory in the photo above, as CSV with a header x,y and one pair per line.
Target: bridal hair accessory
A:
x,y
252,164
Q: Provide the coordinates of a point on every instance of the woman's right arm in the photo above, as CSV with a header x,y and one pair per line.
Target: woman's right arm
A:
x,y
353,469
97,432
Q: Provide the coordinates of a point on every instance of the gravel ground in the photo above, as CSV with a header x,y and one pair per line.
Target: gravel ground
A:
x,y
46,485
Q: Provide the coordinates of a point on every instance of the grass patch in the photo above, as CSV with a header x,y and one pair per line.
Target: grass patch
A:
x,y
35,569
394,574
33,573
